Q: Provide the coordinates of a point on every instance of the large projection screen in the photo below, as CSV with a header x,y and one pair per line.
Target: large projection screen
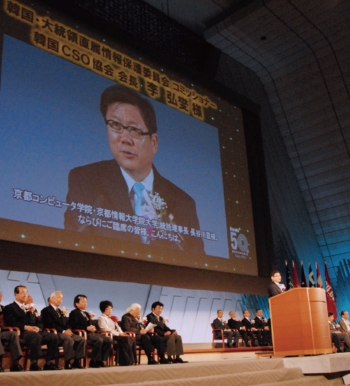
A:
x,y
67,177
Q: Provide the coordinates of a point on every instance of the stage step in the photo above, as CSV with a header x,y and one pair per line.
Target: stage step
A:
x,y
262,372
235,379
287,377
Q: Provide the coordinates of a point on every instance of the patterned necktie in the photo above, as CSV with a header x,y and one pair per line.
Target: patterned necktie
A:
x,y
85,315
138,189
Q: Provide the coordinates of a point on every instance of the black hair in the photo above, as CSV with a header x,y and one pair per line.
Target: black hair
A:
x,y
77,299
120,94
104,304
155,304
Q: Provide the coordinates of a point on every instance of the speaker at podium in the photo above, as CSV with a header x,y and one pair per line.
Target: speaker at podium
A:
x,y
299,322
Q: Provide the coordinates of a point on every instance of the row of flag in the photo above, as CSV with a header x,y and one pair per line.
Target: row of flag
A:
x,y
309,281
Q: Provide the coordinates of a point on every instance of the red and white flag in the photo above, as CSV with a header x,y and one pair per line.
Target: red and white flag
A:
x,y
329,294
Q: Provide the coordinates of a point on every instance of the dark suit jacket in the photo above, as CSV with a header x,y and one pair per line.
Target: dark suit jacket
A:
x,y
51,319
16,317
218,324
247,324
129,323
77,321
273,289
259,323
161,327
234,324
102,185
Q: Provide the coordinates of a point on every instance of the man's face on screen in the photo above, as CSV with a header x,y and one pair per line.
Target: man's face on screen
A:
x,y
134,155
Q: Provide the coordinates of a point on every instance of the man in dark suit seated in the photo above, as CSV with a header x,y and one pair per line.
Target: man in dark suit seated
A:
x,y
275,287
131,322
79,319
17,315
263,333
10,338
73,345
129,184
236,324
248,323
219,323
172,339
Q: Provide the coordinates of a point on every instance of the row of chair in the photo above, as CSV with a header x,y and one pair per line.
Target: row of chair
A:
x,y
26,350
221,339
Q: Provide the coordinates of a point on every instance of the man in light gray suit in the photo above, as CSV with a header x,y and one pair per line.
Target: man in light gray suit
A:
x,y
343,336
344,322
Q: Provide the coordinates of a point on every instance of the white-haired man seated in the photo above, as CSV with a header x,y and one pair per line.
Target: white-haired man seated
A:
x,y
55,317
131,322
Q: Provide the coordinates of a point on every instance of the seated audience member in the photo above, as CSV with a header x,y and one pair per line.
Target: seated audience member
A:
x,y
263,333
220,324
336,329
79,319
73,345
11,339
172,339
344,322
18,315
237,325
249,324
125,344
130,322
336,335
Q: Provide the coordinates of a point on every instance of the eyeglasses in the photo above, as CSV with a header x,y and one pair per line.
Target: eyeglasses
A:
x,y
118,128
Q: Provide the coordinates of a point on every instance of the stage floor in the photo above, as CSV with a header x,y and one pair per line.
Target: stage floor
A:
x,y
332,366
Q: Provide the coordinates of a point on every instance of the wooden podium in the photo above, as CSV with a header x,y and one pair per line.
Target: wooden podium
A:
x,y
299,322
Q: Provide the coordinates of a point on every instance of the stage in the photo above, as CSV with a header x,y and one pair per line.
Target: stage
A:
x,y
205,368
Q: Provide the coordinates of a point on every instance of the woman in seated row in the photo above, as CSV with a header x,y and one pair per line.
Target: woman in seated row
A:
x,y
126,348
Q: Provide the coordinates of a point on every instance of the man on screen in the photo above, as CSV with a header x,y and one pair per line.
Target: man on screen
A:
x,y
126,197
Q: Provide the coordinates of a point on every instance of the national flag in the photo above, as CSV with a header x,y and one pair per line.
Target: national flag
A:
x,y
304,283
311,277
288,277
295,276
319,277
331,306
